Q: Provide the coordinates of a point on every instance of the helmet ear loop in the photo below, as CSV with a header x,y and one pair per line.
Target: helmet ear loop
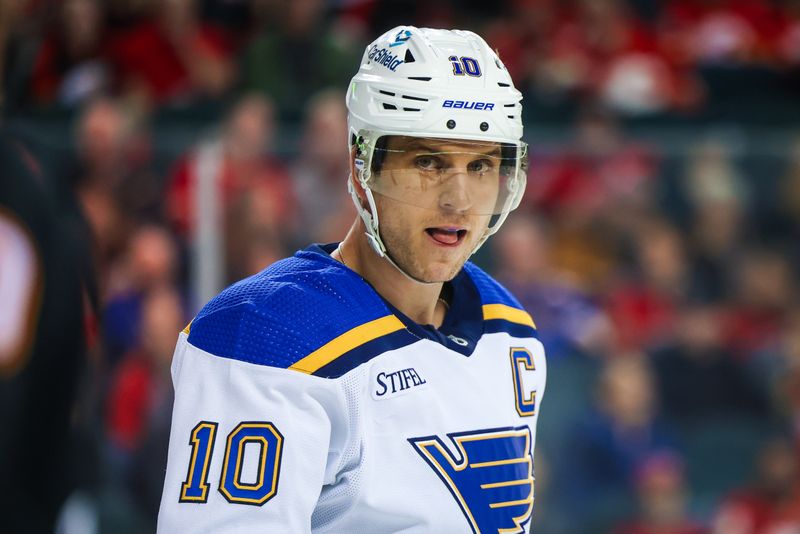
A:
x,y
358,185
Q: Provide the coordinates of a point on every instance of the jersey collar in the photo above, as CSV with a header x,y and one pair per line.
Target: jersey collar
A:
x,y
462,326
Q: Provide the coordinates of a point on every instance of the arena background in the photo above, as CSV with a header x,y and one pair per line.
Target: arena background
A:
x,y
657,247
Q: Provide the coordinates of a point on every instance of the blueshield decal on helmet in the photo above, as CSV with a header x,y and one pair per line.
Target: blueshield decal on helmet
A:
x,y
381,56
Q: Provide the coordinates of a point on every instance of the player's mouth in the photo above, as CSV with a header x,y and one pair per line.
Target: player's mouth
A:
x,y
446,236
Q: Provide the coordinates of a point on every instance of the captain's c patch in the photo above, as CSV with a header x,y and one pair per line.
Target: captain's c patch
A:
x,y
490,475
522,363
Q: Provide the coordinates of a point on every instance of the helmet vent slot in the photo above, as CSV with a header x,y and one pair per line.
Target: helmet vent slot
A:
x,y
418,98
501,84
389,106
420,78
409,57
411,109
381,91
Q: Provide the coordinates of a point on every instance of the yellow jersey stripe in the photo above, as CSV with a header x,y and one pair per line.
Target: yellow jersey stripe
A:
x,y
188,327
346,342
507,313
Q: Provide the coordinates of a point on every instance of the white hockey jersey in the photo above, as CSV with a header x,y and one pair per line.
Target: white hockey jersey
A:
x,y
304,402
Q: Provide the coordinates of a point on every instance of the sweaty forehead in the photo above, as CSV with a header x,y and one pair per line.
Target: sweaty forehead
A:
x,y
422,144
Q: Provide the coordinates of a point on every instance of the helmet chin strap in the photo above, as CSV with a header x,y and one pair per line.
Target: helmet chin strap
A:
x,y
370,218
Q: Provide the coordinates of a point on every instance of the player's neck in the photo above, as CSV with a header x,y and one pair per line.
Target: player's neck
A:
x,y
419,302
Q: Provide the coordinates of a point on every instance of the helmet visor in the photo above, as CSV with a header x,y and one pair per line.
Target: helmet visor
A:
x,y
468,177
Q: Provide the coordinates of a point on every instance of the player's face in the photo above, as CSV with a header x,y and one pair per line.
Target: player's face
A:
x,y
435,199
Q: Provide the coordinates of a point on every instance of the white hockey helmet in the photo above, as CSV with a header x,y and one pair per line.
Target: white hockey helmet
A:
x,y
437,84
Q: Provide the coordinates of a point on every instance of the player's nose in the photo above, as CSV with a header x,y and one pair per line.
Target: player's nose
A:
x,y
455,195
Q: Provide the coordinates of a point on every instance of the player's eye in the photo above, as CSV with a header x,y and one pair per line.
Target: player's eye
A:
x,y
480,166
428,163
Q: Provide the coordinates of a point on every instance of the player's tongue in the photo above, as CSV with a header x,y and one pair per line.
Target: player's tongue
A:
x,y
444,236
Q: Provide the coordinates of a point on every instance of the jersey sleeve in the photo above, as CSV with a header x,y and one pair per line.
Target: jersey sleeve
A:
x,y
251,446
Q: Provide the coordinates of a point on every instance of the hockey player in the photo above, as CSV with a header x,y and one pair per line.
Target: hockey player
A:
x,y
381,384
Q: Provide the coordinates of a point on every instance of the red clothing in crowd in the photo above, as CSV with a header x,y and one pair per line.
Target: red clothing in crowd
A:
x,y
48,72
747,331
643,528
755,513
643,318
130,401
265,176
588,183
145,56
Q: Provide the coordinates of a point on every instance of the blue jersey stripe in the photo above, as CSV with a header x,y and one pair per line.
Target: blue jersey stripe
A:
x,y
513,329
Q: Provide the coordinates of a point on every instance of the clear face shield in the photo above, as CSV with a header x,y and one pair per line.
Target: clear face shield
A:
x,y
479,178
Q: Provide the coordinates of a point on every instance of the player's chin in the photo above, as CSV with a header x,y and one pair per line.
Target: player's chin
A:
x,y
442,270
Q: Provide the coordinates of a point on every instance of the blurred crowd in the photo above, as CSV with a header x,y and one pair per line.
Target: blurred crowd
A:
x,y
637,57
205,139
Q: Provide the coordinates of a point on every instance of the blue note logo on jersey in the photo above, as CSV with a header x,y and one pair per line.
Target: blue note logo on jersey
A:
x,y
490,475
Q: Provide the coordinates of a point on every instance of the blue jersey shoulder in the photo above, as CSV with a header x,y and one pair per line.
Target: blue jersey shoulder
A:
x,y
502,312
490,290
286,312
